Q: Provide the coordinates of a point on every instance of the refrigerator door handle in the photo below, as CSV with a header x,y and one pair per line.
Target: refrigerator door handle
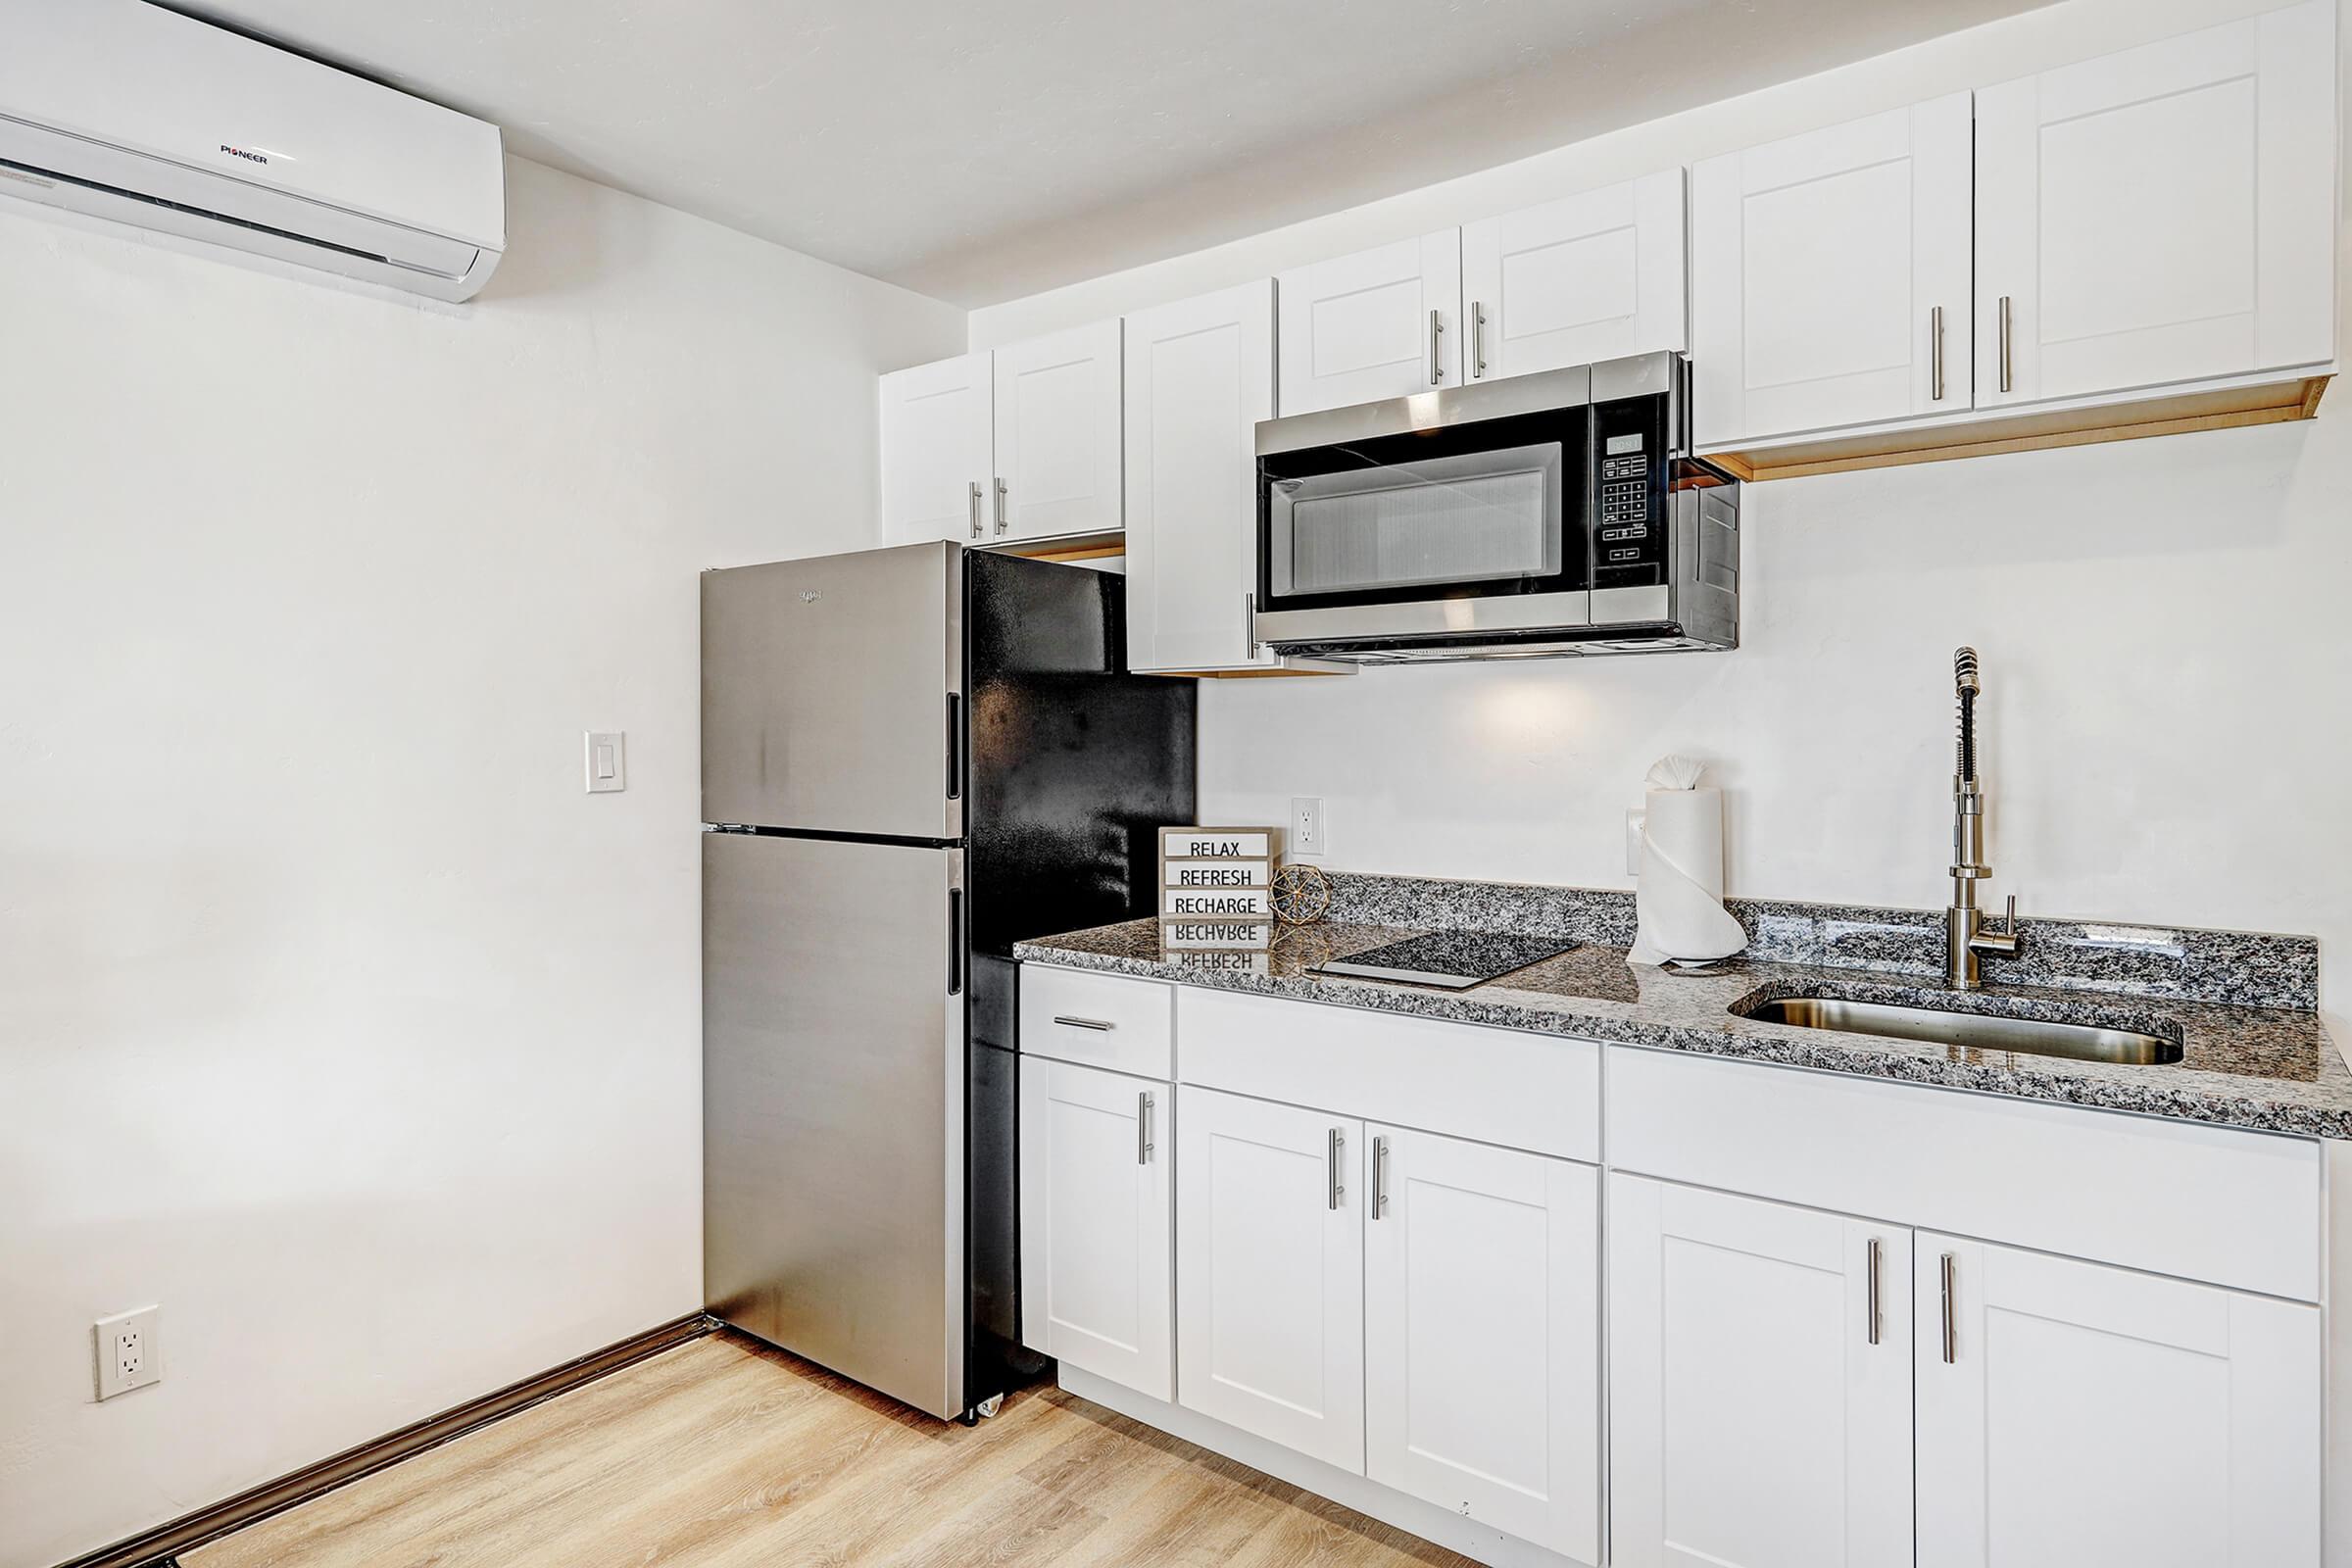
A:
x,y
954,747
955,941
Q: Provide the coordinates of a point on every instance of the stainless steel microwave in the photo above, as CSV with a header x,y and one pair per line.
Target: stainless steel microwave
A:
x,y
1548,515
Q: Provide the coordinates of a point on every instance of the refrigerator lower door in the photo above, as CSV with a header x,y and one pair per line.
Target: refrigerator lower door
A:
x,y
833,1106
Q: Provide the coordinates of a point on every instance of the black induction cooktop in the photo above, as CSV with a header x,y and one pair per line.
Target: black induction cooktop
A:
x,y
1454,960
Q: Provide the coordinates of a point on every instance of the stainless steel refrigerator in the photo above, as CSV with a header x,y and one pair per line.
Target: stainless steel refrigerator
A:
x,y
912,758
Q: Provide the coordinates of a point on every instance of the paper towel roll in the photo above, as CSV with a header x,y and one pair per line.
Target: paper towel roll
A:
x,y
1678,900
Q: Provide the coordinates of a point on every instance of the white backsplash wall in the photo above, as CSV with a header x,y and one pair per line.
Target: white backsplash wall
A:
x,y
334,1015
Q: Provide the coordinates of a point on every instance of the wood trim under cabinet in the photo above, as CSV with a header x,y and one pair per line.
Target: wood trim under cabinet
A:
x,y
2222,410
161,1545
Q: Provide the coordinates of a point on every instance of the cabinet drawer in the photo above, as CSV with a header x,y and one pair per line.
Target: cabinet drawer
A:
x,y
2236,1208
1097,1020
1497,1086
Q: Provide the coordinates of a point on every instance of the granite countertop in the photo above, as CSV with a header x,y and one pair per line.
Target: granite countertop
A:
x,y
2267,1069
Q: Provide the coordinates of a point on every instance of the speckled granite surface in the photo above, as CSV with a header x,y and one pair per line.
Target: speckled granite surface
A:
x,y
2253,969
2270,1069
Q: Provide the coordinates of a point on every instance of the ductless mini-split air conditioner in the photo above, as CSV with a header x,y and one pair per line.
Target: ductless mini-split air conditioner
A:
x,y
125,110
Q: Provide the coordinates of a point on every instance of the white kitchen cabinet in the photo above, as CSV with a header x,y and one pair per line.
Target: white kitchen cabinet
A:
x,y
2162,214
1058,432
1759,1409
1481,1338
1379,323
1269,1272
1831,277
2084,1414
1200,378
1096,1222
1593,277
937,444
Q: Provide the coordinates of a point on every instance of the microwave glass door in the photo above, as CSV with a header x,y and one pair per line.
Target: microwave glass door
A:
x,y
1466,510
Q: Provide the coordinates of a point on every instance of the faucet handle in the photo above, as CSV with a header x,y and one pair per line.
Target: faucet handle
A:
x,y
2009,920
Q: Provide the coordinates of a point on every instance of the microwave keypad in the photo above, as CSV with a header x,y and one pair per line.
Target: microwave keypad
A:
x,y
1629,536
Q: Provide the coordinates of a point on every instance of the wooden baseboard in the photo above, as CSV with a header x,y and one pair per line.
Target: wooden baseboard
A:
x,y
159,1546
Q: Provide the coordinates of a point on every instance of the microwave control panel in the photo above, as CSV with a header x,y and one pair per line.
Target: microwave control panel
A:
x,y
1630,466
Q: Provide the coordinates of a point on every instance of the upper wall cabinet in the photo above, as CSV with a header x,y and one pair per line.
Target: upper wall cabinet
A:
x,y
1381,323
1200,378
1057,434
936,436
1593,277
2159,216
2152,234
1830,278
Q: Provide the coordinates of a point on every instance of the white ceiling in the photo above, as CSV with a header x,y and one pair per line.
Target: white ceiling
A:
x,y
979,150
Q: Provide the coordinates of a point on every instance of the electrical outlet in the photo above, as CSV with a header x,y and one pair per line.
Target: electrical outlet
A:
x,y
129,1354
1632,842
1307,826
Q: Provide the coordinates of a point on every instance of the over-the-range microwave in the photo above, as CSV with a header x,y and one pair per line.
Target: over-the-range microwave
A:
x,y
1540,515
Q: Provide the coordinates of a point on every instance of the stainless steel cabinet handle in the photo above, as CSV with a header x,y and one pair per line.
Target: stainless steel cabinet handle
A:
x,y
1331,1161
1477,339
1952,1337
1002,507
1936,394
1095,1024
2005,376
1873,1308
1437,364
1142,1128
1249,621
975,502
1380,1176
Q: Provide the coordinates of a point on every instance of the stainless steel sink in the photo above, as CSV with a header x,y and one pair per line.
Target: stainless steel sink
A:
x,y
1975,1030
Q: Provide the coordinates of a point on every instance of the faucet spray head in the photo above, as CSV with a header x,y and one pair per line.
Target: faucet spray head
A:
x,y
1964,680
1964,671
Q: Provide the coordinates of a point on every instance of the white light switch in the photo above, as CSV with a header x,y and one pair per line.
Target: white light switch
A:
x,y
607,762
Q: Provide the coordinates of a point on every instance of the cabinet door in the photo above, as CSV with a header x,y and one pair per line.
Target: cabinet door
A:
x,y
1381,323
1594,277
1482,1334
1759,1416
1057,434
2078,1413
2167,213
1820,270
1097,1231
1270,1272
936,425
1200,378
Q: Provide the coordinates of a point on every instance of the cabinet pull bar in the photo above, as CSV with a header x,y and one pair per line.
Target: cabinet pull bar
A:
x,y
1249,619
1331,1162
2006,378
1142,1127
1097,1024
1003,506
1873,1307
1437,364
1934,358
1477,339
975,506
1380,1176
1951,1342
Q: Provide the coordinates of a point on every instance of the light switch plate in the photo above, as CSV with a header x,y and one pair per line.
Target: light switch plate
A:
x,y
607,762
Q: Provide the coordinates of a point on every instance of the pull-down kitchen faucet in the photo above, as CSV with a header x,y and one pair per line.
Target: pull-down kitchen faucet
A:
x,y
1966,936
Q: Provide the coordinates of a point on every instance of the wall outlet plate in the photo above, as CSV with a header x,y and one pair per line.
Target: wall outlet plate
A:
x,y
129,1352
1632,842
1306,827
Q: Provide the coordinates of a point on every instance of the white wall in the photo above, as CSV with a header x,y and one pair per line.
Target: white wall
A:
x,y
334,1015
2163,623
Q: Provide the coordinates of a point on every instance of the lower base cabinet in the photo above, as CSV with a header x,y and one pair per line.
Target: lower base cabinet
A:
x,y
1096,1218
2071,1413
1759,1383
1482,1334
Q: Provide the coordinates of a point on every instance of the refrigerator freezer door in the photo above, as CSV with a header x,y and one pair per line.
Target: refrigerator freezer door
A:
x,y
832,694
833,1087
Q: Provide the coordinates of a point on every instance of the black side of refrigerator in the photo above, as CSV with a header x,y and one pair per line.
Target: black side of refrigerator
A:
x,y
1072,765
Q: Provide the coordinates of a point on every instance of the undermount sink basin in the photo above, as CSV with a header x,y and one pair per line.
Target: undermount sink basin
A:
x,y
1975,1030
